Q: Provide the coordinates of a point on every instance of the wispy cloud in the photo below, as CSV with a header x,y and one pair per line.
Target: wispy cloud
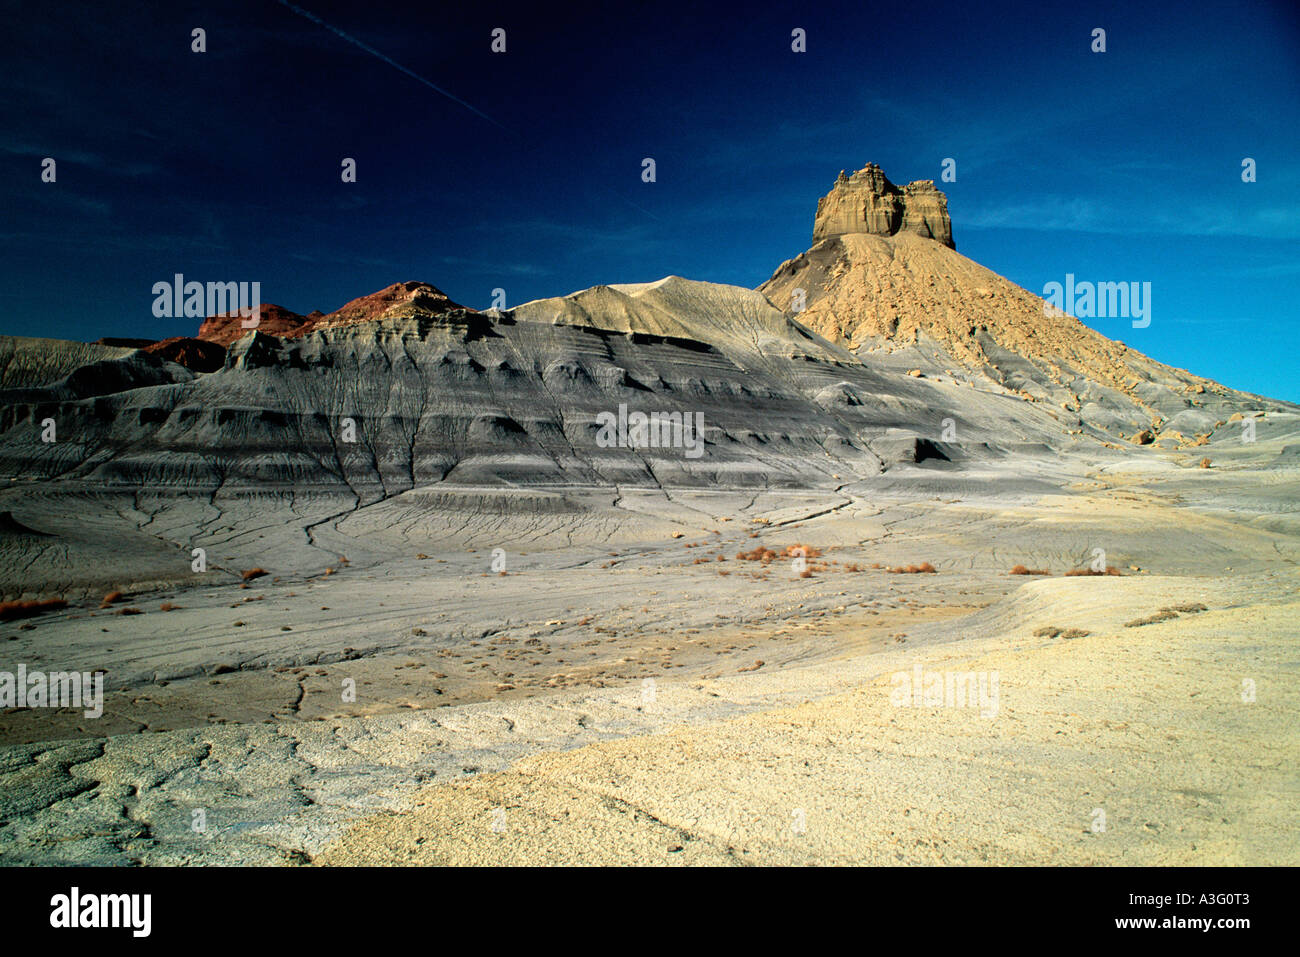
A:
x,y
508,269
1072,214
81,157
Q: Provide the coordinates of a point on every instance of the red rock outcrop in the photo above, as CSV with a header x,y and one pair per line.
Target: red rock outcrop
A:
x,y
273,320
198,355
400,300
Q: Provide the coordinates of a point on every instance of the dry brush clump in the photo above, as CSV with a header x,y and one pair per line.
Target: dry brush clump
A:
x,y
12,610
925,568
1086,572
1168,613
802,551
1163,615
1052,631
1022,570
766,555
252,573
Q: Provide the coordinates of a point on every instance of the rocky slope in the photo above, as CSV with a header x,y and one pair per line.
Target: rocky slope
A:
x,y
35,362
907,355
889,294
476,398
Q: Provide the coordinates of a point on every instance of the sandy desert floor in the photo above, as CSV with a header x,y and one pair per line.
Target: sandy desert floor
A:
x,y
644,702
1148,727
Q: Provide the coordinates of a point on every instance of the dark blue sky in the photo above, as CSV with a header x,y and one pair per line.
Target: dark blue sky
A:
x,y
225,165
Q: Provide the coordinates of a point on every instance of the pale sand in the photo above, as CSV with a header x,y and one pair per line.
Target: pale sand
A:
x,y
1146,723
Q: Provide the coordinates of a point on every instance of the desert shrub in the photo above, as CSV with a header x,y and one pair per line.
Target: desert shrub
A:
x,y
807,551
11,610
1164,615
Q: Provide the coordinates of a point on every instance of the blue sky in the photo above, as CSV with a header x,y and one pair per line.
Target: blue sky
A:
x,y
525,171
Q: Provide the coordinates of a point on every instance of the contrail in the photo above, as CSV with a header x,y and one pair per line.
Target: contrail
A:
x,y
415,76
393,63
